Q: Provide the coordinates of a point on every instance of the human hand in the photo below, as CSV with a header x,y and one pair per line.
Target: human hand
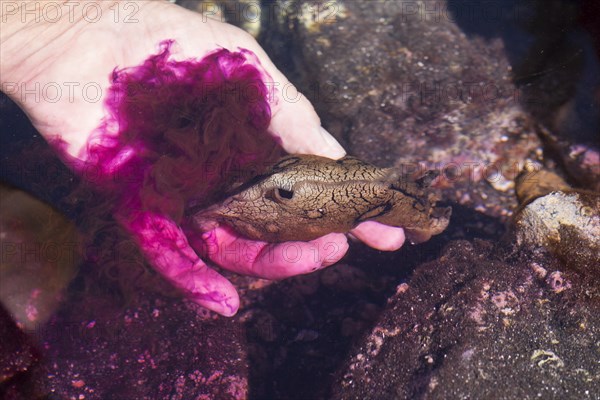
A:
x,y
84,53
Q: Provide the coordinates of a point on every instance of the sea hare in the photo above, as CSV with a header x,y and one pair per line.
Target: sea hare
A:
x,y
303,197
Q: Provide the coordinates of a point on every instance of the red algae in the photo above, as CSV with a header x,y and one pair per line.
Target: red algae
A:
x,y
176,130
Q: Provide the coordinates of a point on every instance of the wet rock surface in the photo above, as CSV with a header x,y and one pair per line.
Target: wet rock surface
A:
x,y
567,225
559,220
515,319
490,326
101,346
16,351
40,255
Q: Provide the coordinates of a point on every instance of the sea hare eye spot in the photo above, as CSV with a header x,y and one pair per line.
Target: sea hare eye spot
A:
x,y
285,194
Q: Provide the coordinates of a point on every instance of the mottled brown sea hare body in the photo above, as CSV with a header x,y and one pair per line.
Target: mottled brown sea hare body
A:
x,y
303,197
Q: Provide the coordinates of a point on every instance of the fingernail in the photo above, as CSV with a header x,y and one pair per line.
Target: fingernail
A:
x,y
334,149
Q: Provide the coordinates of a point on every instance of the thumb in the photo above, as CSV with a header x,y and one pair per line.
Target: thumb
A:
x,y
296,123
293,118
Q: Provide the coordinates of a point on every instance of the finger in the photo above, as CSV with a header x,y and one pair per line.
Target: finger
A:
x,y
379,236
167,249
272,261
209,289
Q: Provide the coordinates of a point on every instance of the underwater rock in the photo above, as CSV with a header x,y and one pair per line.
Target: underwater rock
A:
x,y
581,161
122,332
560,220
16,351
245,14
516,319
40,254
109,341
477,323
558,74
400,84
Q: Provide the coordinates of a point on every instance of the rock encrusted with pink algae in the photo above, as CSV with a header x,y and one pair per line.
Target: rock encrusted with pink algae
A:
x,y
565,224
475,320
525,311
153,346
17,354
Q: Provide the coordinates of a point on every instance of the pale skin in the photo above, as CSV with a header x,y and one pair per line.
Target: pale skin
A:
x,y
68,48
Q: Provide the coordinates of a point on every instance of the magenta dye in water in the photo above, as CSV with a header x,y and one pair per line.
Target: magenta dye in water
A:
x,y
182,127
